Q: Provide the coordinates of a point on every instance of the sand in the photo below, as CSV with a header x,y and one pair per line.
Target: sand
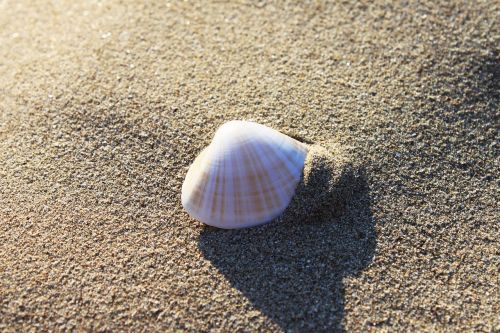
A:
x,y
104,104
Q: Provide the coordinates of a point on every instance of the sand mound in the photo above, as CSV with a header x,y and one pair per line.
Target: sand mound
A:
x,y
329,181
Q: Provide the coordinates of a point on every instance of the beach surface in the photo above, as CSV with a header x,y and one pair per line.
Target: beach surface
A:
x,y
104,105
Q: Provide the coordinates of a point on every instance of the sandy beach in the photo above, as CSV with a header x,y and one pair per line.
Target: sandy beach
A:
x,y
104,105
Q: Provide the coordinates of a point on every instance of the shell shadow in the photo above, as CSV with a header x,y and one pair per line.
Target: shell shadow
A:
x,y
292,269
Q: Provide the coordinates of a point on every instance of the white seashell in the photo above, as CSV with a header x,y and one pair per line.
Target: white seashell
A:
x,y
245,177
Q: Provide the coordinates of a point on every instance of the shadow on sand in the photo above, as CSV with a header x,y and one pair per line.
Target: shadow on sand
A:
x,y
292,269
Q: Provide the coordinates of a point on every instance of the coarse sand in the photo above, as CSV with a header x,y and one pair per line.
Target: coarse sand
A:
x,y
104,104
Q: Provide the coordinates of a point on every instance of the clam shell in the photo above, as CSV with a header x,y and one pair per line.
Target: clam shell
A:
x,y
245,177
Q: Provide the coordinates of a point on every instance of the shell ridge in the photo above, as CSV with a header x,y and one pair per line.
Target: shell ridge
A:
x,y
190,190
205,209
215,196
275,197
287,188
255,202
243,201
236,189
218,193
275,183
262,175
188,183
295,157
223,197
285,158
219,205
281,179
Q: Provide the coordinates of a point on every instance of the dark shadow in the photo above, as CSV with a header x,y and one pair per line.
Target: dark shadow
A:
x,y
292,268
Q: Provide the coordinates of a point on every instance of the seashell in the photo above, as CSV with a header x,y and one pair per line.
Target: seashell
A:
x,y
247,176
